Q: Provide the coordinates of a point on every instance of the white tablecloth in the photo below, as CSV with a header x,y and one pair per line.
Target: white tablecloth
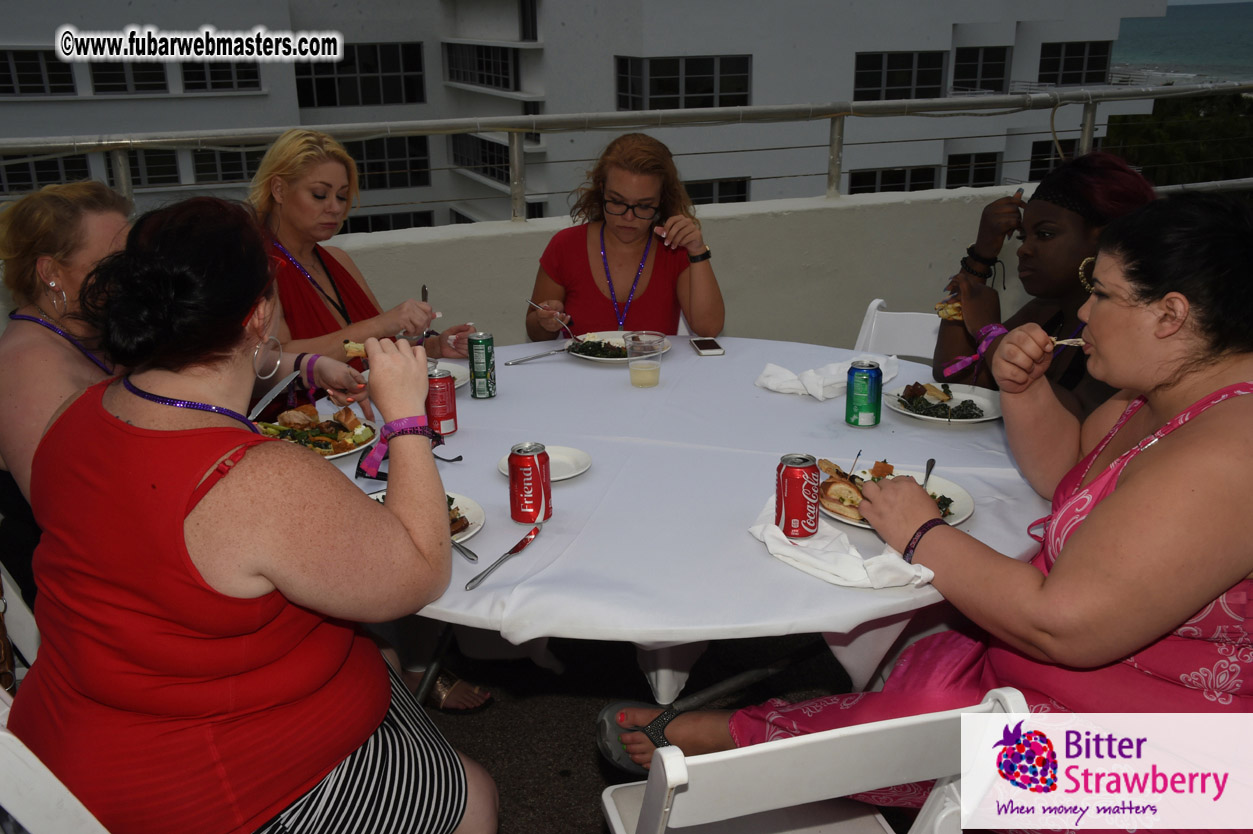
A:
x,y
651,546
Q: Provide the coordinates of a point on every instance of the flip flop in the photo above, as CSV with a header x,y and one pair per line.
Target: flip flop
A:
x,y
445,683
608,730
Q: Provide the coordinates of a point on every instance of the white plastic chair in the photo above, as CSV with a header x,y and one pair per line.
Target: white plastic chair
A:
x,y
903,334
792,786
32,794
19,620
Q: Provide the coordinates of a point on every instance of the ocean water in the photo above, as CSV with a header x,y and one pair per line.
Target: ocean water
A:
x,y
1211,42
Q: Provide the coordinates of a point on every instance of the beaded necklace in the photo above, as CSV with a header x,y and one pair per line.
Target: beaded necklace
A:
x,y
621,315
16,316
198,406
338,301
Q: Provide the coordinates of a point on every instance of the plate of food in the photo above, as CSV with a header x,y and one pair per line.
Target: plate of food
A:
x,y
840,493
460,373
563,462
945,403
605,346
344,433
465,515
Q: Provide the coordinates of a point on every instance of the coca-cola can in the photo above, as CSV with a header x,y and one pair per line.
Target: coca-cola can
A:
x,y
796,495
441,402
530,483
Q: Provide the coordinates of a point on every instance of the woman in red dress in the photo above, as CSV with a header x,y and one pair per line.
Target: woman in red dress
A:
x,y
638,260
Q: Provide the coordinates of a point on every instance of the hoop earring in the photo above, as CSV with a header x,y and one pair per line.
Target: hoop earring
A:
x,y
1083,273
256,353
51,289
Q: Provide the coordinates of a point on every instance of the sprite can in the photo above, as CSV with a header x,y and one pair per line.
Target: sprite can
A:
x,y
482,366
865,394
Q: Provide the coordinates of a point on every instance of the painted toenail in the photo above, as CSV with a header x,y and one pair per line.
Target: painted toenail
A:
x,y
622,717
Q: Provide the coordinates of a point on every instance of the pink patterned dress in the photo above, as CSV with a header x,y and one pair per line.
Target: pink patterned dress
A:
x,y
1203,665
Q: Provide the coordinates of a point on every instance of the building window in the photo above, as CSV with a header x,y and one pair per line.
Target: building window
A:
x,y
1077,62
20,173
484,66
221,76
369,74
980,68
128,78
534,211
392,162
34,72
215,165
151,166
704,192
674,83
528,21
387,222
972,169
457,218
882,76
488,159
891,179
1044,156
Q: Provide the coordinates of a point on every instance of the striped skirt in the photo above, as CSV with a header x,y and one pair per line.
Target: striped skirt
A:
x,y
405,779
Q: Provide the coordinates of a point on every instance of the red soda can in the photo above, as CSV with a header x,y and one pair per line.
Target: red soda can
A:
x,y
530,483
441,402
796,496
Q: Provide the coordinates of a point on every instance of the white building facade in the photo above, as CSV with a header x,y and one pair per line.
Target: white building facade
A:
x,y
441,59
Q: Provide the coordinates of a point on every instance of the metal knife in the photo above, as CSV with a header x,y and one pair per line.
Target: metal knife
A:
x,y
539,355
279,388
516,549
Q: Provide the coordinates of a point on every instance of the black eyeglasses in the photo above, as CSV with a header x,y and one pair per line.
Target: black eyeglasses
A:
x,y
641,211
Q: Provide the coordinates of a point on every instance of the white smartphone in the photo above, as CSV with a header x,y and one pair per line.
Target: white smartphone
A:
x,y
707,347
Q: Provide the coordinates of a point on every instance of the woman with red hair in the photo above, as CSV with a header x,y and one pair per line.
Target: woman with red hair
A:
x,y
1058,227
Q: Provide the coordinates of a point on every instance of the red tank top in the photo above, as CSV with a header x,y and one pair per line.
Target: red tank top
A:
x,y
161,703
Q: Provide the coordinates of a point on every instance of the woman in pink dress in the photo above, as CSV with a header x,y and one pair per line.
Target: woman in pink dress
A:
x,y
1139,596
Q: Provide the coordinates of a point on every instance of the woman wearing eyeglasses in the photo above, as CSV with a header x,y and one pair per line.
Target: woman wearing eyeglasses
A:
x,y
636,261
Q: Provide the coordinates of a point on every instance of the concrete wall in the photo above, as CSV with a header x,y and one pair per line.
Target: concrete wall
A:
x,y
800,270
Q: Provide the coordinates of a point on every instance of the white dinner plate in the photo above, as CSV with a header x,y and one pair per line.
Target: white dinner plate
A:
x,y
563,462
963,506
470,508
613,337
987,400
460,373
356,450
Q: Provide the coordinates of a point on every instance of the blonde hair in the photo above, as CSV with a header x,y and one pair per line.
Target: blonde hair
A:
x,y
289,157
637,153
49,222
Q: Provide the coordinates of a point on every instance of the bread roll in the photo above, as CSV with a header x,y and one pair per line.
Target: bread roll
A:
x,y
355,350
840,496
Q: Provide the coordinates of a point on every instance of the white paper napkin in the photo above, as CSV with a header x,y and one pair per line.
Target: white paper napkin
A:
x,y
829,555
821,383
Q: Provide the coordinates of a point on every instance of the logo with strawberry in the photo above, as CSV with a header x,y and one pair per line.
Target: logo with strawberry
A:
x,y
1027,760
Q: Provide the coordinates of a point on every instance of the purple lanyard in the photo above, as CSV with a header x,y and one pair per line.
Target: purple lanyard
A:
x,y
621,315
337,302
16,316
216,409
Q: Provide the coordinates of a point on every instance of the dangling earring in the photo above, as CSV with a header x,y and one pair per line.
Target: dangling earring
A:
x,y
1083,273
51,289
256,354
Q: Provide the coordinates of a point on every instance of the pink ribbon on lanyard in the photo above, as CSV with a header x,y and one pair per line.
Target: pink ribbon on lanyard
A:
x,y
987,335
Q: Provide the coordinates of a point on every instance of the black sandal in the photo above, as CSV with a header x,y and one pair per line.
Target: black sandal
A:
x,y
608,729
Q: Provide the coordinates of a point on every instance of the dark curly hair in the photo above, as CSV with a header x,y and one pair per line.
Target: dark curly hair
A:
x,y
637,153
181,290
1201,246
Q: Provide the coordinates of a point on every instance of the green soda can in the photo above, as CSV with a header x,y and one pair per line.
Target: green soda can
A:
x,y
482,366
865,394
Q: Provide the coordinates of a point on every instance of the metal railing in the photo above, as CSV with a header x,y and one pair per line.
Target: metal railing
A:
x,y
516,127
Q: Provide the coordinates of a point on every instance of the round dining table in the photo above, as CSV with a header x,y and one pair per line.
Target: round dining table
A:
x,y
650,544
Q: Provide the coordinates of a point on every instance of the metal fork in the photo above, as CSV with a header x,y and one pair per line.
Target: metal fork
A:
x,y
564,327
